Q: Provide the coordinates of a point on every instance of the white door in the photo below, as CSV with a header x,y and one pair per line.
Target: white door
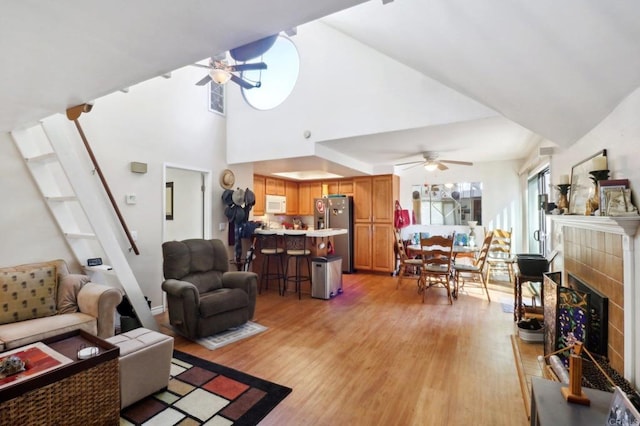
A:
x,y
185,216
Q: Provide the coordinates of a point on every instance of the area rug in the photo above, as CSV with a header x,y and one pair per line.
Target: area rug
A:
x,y
232,335
507,305
202,392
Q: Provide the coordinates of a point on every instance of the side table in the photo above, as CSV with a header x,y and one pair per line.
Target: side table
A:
x,y
549,408
86,391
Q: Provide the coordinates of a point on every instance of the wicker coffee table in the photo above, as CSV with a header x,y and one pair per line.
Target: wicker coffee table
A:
x,y
81,392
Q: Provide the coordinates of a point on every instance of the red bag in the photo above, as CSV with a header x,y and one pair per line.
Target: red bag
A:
x,y
400,217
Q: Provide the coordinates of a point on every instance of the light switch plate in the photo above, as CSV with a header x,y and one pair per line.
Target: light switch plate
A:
x,y
130,198
222,226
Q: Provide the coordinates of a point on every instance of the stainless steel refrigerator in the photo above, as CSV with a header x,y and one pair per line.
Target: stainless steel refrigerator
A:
x,y
337,212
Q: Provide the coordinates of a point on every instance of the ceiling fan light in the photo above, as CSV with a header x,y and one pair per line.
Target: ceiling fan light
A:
x,y
430,166
220,76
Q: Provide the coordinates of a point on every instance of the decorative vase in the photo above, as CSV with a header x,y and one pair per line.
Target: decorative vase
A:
x,y
563,202
472,232
593,202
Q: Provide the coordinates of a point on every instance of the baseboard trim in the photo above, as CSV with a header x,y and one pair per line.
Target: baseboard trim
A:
x,y
524,387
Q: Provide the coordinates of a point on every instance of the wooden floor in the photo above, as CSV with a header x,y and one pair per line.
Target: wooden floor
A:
x,y
376,355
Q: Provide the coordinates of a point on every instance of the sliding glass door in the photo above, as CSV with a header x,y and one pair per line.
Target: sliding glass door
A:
x,y
537,189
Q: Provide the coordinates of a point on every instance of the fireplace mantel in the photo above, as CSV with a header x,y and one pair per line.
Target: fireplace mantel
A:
x,y
623,225
626,227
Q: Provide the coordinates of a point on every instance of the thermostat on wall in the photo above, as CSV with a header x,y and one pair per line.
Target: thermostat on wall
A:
x,y
96,261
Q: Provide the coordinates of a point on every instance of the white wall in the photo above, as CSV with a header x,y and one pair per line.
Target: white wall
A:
x,y
619,134
344,89
158,121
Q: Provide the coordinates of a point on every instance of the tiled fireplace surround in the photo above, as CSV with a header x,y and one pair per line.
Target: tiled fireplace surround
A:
x,y
600,252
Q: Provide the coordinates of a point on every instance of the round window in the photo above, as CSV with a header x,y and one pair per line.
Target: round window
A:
x,y
278,80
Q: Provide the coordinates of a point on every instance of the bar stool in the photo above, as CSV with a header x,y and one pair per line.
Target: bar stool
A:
x,y
270,249
296,249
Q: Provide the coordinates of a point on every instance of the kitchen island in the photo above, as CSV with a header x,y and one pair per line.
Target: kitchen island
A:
x,y
310,233
319,242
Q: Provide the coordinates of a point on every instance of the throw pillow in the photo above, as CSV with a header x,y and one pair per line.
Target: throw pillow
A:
x,y
27,294
68,289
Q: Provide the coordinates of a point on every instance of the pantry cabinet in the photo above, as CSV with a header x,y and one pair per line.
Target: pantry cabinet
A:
x,y
374,199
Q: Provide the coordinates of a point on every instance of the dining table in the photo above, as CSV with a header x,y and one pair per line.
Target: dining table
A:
x,y
416,249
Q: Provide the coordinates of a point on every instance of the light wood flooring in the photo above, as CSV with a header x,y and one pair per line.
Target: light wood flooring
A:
x,y
376,355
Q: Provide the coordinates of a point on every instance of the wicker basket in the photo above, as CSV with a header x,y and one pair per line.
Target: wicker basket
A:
x,y
90,397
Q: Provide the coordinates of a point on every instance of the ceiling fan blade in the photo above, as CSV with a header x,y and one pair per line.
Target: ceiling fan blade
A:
x,y
243,83
249,67
409,162
419,163
462,163
442,166
204,81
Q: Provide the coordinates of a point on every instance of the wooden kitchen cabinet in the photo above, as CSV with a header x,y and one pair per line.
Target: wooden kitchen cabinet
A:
x,y
362,199
307,192
382,254
259,191
291,192
346,187
385,190
274,186
342,187
374,199
373,247
362,258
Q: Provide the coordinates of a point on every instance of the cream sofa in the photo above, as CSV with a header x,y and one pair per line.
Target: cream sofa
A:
x,y
40,300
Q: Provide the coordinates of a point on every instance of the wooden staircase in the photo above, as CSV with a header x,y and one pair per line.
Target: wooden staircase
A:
x,y
67,179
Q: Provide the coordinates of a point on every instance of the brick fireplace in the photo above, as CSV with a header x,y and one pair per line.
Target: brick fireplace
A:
x,y
600,252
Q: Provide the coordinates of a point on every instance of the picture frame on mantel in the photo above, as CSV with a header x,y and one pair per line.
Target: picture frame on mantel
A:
x,y
621,410
581,184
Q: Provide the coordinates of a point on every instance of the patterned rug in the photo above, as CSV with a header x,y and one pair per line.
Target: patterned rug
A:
x,y
232,335
202,392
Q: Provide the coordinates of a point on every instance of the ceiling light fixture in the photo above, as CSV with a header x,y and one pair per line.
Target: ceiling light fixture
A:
x,y
220,76
430,166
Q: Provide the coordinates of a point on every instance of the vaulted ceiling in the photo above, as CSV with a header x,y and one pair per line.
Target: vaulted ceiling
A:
x,y
550,69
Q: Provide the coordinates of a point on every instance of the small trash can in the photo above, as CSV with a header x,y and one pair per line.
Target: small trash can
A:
x,y
326,277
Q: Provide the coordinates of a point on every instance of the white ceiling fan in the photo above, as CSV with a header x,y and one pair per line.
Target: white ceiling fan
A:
x,y
431,162
221,72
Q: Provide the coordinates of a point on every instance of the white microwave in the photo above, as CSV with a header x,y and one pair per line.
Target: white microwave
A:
x,y
276,204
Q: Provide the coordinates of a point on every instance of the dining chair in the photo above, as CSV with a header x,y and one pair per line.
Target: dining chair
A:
x,y
406,265
437,258
475,272
499,257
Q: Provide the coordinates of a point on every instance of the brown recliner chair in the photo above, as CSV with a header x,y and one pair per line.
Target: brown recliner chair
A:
x,y
204,298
